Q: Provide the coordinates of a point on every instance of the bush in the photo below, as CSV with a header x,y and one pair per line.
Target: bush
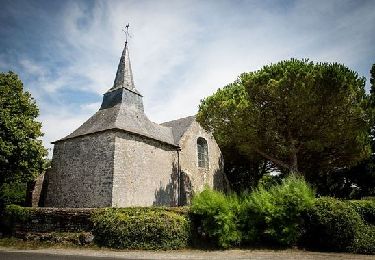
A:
x,y
12,193
365,208
332,225
364,243
16,213
13,215
273,214
217,217
140,228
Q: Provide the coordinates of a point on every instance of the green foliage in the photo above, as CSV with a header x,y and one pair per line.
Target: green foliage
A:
x,y
13,193
265,215
360,179
268,180
274,214
21,153
140,228
217,215
302,116
365,240
332,225
17,214
365,208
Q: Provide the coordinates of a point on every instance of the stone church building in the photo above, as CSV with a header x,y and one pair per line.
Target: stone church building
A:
x,y
119,158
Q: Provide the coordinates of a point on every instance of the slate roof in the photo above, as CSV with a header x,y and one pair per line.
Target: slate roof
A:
x,y
122,109
120,117
124,75
179,127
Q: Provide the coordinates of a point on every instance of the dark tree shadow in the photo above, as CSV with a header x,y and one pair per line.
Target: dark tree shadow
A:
x,y
168,195
221,182
186,192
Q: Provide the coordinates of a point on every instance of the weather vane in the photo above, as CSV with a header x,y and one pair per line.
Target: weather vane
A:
x,y
126,31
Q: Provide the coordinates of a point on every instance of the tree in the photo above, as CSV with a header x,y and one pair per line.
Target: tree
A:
x,y
21,152
300,116
358,181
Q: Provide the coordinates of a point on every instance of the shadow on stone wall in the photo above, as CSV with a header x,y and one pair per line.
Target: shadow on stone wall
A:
x,y
170,195
167,196
186,192
221,182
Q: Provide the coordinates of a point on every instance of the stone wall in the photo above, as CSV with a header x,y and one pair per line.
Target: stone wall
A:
x,y
145,172
43,220
195,178
82,172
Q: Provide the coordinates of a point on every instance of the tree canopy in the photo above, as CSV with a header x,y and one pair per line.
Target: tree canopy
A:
x,y
302,116
21,152
359,181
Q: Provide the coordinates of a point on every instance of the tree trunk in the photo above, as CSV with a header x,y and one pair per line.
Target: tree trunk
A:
x,y
294,165
293,158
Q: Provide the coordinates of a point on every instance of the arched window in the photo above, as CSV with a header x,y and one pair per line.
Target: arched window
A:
x,y
202,152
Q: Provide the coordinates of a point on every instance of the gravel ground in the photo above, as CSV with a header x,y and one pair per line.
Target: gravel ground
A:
x,y
6,253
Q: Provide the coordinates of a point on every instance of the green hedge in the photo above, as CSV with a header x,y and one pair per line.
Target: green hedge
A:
x,y
15,213
332,225
141,228
365,208
364,242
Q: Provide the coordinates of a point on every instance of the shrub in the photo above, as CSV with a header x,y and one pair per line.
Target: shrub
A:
x,y
140,228
365,208
364,242
17,213
274,214
12,193
13,215
332,225
217,216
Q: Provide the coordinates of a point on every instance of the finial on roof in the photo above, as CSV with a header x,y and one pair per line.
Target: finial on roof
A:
x,y
124,75
126,31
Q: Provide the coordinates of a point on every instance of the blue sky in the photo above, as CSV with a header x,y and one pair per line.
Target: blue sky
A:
x,y
66,52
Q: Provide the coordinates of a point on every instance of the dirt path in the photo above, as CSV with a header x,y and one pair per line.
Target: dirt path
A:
x,y
11,254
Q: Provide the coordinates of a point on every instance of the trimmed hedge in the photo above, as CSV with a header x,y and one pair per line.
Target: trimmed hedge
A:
x,y
364,242
14,216
365,208
15,213
140,228
333,225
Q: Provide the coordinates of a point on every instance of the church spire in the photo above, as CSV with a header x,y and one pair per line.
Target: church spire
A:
x,y
124,75
123,90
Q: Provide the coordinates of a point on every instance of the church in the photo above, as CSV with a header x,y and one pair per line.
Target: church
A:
x,y
119,158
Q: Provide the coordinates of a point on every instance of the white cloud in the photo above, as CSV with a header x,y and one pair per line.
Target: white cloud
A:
x,y
33,68
91,107
182,51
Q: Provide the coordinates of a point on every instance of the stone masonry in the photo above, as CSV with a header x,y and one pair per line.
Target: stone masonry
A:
x,y
119,158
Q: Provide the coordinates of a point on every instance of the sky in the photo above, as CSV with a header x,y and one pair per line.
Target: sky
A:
x,y
67,52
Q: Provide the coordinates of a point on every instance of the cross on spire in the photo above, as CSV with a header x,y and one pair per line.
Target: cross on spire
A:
x,y
124,75
126,31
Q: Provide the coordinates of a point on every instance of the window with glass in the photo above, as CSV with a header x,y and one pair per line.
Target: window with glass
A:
x,y
202,152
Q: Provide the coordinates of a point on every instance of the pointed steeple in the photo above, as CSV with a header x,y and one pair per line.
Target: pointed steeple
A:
x,y
124,75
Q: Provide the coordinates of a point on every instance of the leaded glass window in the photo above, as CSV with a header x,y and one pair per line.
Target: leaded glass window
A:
x,y
202,152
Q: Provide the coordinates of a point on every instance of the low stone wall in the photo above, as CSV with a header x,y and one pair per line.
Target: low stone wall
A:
x,y
44,220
